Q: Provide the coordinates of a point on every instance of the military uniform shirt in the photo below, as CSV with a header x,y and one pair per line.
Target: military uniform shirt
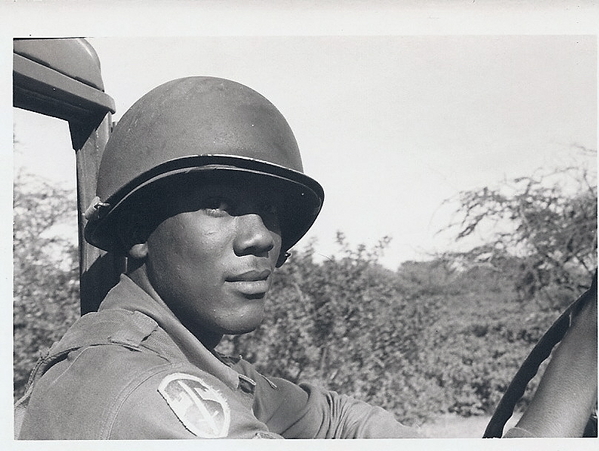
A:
x,y
133,371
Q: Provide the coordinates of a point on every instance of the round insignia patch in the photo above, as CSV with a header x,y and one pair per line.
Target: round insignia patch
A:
x,y
202,409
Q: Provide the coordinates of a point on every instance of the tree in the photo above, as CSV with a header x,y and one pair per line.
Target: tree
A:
x,y
541,229
46,282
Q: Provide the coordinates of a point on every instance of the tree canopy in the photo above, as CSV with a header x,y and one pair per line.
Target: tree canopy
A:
x,y
542,229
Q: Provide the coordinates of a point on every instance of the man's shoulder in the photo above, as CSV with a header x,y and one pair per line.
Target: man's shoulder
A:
x,y
103,362
101,353
108,349
113,326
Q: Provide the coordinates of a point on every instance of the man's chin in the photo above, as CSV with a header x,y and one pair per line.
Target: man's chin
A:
x,y
245,327
242,329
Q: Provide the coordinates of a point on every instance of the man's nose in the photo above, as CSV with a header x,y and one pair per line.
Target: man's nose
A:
x,y
253,236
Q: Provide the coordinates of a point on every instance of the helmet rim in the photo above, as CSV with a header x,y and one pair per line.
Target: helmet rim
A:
x,y
307,193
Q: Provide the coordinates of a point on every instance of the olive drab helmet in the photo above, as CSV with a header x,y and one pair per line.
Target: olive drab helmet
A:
x,y
200,125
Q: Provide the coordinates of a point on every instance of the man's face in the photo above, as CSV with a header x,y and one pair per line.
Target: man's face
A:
x,y
212,262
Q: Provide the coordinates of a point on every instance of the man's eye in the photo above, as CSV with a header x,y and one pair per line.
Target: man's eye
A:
x,y
269,209
270,213
217,206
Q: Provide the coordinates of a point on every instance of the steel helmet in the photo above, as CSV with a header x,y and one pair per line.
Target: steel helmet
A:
x,y
200,125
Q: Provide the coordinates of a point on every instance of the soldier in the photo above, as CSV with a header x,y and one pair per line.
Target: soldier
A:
x,y
201,186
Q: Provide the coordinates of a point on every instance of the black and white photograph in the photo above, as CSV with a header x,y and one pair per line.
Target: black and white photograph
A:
x,y
345,220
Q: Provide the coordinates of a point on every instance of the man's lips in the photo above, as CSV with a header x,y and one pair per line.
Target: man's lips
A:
x,y
253,282
254,275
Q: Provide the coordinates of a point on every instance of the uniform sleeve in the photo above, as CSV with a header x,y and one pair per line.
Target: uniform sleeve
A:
x,y
180,405
308,412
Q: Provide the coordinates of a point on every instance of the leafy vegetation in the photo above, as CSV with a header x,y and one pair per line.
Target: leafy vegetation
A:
x,y
433,337
46,272
414,344
542,232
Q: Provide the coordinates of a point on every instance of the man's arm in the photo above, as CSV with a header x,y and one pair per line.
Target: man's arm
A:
x,y
567,392
308,412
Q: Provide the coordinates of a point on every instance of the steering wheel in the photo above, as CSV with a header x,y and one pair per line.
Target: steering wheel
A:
x,y
529,368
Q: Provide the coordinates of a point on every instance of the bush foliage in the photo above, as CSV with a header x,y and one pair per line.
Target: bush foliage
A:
x,y
46,272
439,336
414,344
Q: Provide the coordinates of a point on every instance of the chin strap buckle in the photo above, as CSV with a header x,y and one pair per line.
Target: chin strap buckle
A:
x,y
95,209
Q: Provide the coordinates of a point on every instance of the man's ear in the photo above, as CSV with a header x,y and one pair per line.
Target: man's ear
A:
x,y
133,233
138,251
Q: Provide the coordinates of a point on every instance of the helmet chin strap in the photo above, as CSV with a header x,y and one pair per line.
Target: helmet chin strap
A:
x,y
283,256
94,211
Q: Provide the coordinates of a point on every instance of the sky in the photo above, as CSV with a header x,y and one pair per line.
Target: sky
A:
x,y
391,126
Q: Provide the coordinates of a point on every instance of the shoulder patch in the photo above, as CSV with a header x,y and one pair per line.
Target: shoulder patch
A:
x,y
201,408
